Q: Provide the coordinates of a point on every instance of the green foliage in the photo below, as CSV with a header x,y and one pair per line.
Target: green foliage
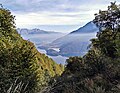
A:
x,y
7,24
109,24
19,59
108,39
108,19
75,62
15,63
99,70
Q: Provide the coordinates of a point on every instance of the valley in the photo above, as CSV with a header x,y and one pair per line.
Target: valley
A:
x,y
60,46
75,43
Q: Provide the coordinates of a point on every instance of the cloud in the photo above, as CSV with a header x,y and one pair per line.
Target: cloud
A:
x,y
54,12
51,5
46,19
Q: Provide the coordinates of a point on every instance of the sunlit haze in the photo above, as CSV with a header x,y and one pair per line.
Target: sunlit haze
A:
x,y
54,15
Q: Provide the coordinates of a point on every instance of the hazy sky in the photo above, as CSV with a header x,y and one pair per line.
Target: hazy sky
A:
x,y
58,15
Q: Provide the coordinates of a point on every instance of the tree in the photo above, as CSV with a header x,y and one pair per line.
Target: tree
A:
x,y
108,23
20,62
17,61
109,19
7,23
98,71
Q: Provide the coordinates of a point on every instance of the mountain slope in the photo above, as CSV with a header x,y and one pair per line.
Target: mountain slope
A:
x,y
90,27
76,42
34,31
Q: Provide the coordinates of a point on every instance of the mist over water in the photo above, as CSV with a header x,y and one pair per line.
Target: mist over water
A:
x,y
43,39
59,59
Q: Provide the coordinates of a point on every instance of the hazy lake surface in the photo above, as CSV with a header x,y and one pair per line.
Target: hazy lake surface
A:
x,y
59,59
41,39
38,39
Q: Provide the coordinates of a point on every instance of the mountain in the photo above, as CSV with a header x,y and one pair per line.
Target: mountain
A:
x,y
75,43
90,27
39,37
34,31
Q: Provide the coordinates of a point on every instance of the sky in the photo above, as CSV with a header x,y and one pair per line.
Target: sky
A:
x,y
54,15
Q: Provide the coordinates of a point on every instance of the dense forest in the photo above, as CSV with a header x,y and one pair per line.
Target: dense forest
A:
x,y
99,70
22,68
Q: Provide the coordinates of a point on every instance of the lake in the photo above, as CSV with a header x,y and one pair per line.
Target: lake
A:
x,y
38,39
59,59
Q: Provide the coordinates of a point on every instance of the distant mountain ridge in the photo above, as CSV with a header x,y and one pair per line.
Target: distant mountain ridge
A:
x,y
90,27
34,31
75,43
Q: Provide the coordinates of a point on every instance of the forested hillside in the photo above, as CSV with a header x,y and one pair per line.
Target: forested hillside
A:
x,y
99,70
22,68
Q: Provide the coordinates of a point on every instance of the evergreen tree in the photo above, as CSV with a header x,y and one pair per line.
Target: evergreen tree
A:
x,y
22,68
98,71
